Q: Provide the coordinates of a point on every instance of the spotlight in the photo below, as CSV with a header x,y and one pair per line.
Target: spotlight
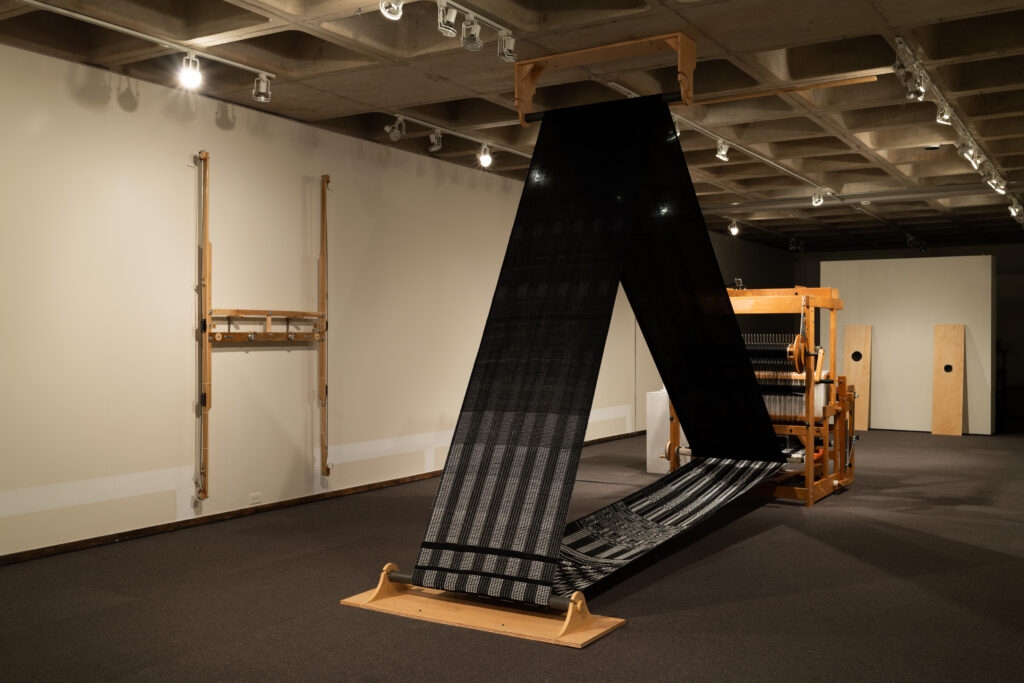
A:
x,y
446,19
970,152
471,34
917,87
189,76
943,115
995,182
395,130
723,151
261,89
1015,210
391,9
734,228
796,246
818,199
484,155
435,141
506,46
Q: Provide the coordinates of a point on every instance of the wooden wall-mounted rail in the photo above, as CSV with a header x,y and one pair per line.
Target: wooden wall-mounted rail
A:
x,y
210,335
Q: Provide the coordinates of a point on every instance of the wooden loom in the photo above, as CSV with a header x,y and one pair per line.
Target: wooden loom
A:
x,y
828,463
209,335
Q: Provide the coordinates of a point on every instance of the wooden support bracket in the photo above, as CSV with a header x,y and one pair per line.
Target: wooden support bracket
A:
x,y
577,627
527,71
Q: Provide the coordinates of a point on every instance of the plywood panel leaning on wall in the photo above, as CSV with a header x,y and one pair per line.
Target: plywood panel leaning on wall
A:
x,y
857,369
948,381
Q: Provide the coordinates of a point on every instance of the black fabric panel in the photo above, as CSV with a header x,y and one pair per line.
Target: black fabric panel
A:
x,y
595,210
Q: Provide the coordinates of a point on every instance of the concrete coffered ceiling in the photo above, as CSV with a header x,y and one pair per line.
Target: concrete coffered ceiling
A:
x,y
895,173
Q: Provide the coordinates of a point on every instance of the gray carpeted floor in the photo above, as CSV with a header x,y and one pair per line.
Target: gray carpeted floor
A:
x,y
914,573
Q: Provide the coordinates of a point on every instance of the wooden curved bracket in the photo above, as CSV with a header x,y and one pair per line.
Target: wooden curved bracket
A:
x,y
527,71
576,628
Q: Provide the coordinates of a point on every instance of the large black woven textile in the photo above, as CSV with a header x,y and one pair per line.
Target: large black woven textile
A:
x,y
597,209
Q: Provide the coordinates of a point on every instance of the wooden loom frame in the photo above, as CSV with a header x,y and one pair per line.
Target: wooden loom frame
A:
x,y
832,468
209,336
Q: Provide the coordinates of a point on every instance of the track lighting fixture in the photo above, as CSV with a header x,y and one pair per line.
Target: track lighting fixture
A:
x,y
484,155
395,130
971,153
917,87
446,19
995,182
734,228
435,141
261,88
189,76
943,115
1015,210
471,34
796,245
817,199
722,151
391,9
506,46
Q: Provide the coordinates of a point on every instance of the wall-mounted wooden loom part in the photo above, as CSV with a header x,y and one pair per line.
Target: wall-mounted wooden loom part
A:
x,y
828,438
527,71
574,627
210,335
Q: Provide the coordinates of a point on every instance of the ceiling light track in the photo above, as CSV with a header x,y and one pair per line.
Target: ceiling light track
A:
x,y
909,69
438,131
190,52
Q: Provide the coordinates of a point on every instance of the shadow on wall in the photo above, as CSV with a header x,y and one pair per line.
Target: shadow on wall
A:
x,y
91,87
127,94
225,117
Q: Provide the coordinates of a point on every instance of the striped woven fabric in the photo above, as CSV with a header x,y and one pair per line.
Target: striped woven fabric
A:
x,y
596,211
603,542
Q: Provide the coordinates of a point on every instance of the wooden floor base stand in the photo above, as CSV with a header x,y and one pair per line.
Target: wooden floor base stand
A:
x,y
576,628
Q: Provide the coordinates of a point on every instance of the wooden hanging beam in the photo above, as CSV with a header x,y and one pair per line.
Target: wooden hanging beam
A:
x,y
528,71
777,91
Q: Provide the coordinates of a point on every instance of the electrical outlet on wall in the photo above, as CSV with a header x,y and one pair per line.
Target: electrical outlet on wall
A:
x,y
255,498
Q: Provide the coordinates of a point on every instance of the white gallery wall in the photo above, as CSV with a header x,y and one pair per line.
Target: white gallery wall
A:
x,y
903,300
98,273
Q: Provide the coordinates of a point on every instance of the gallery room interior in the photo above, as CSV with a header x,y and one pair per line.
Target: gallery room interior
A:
x,y
661,339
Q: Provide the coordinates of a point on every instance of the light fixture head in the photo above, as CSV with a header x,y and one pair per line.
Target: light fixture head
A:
x,y
967,149
261,88
722,151
995,182
506,46
189,76
446,19
395,130
943,115
817,199
796,245
471,34
1015,210
484,155
435,141
391,9
917,87
734,228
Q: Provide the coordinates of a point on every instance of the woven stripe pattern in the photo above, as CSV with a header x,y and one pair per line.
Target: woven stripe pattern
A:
x,y
601,543
592,215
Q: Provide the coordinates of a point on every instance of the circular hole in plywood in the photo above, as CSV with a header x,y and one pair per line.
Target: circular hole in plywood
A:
x,y
856,355
948,368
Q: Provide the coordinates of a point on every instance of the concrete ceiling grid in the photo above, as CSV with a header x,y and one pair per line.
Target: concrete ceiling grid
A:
x,y
342,66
